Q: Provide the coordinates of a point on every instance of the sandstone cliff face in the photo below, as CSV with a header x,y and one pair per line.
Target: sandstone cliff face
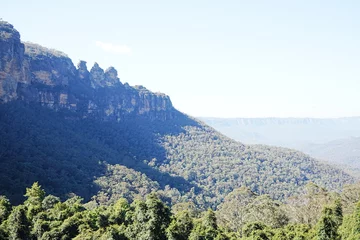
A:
x,y
35,74
49,67
13,67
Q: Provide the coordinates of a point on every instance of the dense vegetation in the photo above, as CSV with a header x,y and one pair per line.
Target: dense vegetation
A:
x,y
334,140
219,165
67,156
182,159
315,214
340,151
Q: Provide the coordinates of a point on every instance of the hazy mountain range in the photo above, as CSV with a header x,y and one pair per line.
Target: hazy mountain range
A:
x,y
331,139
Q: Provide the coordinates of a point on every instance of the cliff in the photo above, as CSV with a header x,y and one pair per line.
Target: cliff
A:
x,y
13,66
35,74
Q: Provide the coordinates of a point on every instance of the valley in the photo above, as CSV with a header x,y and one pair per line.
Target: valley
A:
x,y
85,156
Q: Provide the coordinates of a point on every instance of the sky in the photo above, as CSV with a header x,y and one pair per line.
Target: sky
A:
x,y
230,58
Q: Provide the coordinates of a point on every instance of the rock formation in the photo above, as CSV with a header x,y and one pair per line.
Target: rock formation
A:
x,y
13,67
35,74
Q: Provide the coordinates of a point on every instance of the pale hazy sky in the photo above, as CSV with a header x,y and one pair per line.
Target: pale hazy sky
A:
x,y
214,58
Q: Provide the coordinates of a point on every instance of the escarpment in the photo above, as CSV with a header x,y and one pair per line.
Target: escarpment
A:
x,y
35,74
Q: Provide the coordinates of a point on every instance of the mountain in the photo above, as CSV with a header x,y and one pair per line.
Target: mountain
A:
x,y
84,132
286,132
341,151
335,140
345,150
35,74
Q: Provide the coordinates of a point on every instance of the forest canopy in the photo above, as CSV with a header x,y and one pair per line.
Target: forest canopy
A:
x,y
316,214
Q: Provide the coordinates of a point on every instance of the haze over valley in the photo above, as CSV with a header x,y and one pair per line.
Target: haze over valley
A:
x,y
335,140
88,149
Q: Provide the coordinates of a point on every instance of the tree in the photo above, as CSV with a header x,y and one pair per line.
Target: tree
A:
x,y
206,228
256,231
35,195
264,209
41,225
307,207
185,206
70,227
210,220
350,195
327,226
350,229
5,208
119,210
18,224
232,213
180,226
49,202
149,219
338,212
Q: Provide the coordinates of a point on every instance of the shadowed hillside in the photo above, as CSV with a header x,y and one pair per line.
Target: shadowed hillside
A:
x,y
84,132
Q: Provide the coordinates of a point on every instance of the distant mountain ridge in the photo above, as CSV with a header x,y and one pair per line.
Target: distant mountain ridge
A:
x,y
290,120
84,132
335,140
287,132
341,151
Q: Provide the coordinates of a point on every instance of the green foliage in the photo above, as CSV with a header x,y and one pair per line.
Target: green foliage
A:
x,y
268,211
220,165
350,195
306,208
189,166
232,213
152,219
187,207
180,226
49,202
257,231
149,219
180,158
35,195
350,229
207,228
243,206
337,212
327,226
5,208
298,231
119,211
18,224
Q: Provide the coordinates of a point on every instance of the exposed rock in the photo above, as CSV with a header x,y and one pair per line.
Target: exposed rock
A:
x,y
83,73
36,74
97,76
111,77
13,68
49,67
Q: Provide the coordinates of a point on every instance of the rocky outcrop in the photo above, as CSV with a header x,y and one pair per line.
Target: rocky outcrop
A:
x,y
99,78
13,67
111,77
49,67
82,73
35,74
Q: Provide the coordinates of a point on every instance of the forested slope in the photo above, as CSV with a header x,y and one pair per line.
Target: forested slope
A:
x,y
84,132
183,158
